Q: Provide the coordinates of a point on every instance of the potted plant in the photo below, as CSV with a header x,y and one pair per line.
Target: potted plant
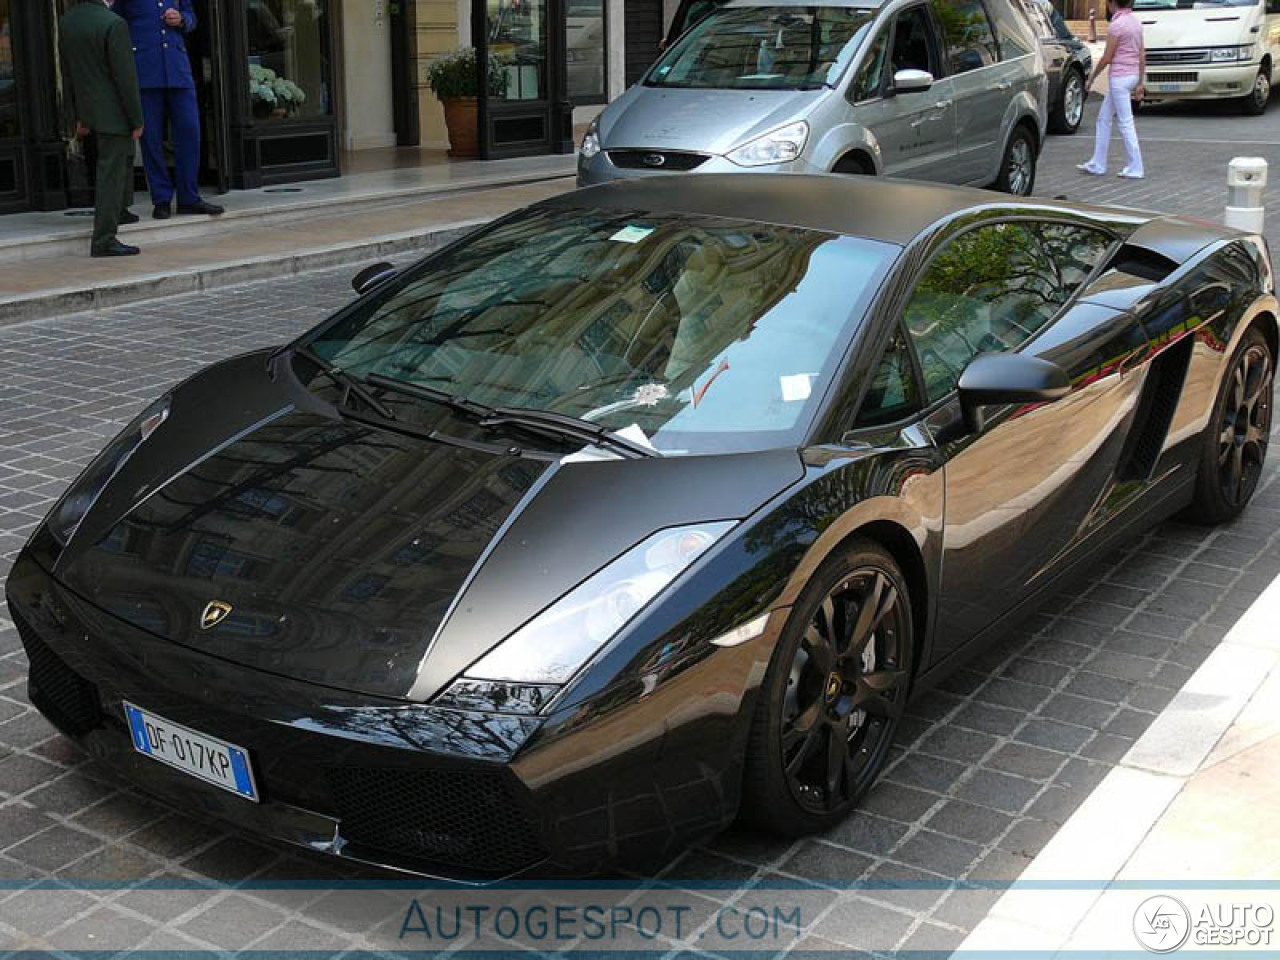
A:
x,y
452,77
273,96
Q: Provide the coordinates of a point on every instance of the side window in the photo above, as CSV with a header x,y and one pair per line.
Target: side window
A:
x,y
991,289
912,49
967,34
867,83
1016,33
893,393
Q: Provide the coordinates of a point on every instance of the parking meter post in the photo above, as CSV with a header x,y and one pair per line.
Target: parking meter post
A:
x,y
1093,25
1246,183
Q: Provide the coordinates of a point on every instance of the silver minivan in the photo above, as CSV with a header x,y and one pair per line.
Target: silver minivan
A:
x,y
945,90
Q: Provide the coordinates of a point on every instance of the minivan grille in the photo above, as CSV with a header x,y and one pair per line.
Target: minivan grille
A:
x,y
672,160
1196,55
1187,76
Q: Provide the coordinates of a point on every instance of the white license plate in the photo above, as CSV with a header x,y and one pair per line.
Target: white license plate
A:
x,y
1167,87
214,761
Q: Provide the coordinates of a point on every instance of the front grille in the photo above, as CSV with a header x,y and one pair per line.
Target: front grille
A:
x,y
1188,76
464,818
673,160
67,698
1198,55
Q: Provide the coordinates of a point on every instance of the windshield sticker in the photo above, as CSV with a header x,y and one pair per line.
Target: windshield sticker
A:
x,y
649,394
796,386
632,234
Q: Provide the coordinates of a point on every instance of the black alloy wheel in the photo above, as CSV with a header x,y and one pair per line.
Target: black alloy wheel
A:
x,y
835,690
1238,435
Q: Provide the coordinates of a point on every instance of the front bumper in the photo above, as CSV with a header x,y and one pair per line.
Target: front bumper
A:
x,y
1199,81
445,793
600,169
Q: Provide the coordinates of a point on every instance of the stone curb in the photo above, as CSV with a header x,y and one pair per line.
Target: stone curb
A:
x,y
1094,845
69,300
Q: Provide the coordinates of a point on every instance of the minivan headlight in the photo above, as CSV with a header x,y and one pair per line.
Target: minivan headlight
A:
x,y
555,644
591,142
781,146
1229,54
84,492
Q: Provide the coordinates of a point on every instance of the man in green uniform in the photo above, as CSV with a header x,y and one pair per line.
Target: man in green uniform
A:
x,y
97,58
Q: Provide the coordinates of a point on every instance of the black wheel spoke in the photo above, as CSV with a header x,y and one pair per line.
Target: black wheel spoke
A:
x,y
1258,385
833,617
876,605
875,702
820,650
837,757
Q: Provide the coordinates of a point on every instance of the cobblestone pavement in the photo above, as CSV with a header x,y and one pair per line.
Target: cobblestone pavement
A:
x,y
986,768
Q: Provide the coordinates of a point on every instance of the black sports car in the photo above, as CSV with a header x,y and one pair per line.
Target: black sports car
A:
x,y
639,509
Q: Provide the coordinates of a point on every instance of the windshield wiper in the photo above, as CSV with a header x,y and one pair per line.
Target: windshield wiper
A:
x,y
351,386
546,422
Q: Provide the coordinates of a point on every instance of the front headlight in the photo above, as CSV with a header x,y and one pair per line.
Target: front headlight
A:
x,y
591,142
555,644
781,146
84,492
1229,54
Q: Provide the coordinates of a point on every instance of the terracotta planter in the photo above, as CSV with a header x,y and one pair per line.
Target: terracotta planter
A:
x,y
462,117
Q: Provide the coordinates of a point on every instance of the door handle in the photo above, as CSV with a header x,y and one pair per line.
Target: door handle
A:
x,y
1003,85
942,104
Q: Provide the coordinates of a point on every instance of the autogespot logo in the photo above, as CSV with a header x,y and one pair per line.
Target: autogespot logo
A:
x,y
1161,924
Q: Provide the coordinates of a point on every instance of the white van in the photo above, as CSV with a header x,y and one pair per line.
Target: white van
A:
x,y
1211,49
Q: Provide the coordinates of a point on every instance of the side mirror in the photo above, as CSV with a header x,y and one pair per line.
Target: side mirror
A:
x,y
912,81
1000,378
371,276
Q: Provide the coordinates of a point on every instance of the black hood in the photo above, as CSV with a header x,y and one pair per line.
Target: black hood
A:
x,y
341,548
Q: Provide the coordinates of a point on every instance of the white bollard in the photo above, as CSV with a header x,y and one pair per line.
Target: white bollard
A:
x,y
1246,181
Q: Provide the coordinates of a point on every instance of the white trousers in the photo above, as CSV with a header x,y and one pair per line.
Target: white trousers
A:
x,y
1118,105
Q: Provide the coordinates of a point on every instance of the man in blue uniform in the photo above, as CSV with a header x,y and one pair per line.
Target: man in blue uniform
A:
x,y
158,28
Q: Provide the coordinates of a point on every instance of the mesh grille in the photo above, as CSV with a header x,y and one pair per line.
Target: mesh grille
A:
x,y
1188,76
458,817
656,160
67,698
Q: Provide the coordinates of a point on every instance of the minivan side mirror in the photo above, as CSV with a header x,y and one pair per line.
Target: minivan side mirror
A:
x,y
912,81
1000,378
371,276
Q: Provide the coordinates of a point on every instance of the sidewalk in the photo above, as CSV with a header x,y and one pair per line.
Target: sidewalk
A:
x,y
45,269
1188,815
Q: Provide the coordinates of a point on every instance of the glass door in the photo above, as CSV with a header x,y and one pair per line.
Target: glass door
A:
x,y
521,57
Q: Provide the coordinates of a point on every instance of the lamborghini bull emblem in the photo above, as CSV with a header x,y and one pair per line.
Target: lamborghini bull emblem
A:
x,y
215,611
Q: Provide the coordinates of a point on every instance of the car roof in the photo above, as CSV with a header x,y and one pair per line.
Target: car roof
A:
x,y
858,4
877,208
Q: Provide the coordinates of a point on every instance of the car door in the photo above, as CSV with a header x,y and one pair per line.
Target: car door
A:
x,y
915,131
1021,492
979,86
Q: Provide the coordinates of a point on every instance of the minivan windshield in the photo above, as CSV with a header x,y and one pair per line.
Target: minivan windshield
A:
x,y
1191,4
764,48
707,334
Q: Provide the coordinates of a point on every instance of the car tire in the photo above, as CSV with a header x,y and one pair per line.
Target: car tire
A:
x,y
1069,111
1018,165
1235,441
831,698
1254,103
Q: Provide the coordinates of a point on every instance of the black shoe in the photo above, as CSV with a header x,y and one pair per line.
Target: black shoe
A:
x,y
161,211
129,217
200,206
115,249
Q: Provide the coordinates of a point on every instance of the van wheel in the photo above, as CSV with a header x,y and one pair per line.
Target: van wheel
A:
x,y
1069,112
1018,168
1254,103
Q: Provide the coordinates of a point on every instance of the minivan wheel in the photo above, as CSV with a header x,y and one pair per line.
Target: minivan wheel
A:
x,y
1254,103
1018,168
1070,109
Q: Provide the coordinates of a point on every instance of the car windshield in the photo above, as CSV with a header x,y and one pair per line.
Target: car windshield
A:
x,y
1190,4
764,48
707,334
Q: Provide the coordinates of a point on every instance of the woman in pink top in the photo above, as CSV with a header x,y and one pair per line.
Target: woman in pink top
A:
x,y
1127,57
